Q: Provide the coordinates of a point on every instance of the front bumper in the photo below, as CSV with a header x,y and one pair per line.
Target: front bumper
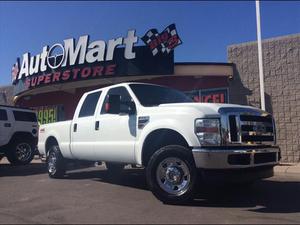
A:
x,y
236,157
244,175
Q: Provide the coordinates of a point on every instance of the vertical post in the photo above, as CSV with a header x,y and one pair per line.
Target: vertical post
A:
x,y
260,60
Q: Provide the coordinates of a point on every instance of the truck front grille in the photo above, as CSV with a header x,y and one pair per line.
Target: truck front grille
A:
x,y
247,128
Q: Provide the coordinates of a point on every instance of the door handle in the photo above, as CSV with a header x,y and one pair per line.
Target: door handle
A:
x,y
75,127
7,125
97,125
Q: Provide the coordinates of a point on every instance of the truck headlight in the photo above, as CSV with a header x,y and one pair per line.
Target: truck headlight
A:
x,y
208,131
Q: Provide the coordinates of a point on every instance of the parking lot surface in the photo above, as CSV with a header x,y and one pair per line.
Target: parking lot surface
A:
x,y
88,195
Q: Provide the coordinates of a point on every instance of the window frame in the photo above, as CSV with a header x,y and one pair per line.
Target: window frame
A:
x,y
95,106
105,99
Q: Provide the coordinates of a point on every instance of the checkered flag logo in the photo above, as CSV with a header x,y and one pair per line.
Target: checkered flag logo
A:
x,y
15,71
163,42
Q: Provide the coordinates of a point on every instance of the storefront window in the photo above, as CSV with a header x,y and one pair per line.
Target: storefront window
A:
x,y
50,114
219,95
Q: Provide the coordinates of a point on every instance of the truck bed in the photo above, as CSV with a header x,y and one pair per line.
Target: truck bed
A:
x,y
62,133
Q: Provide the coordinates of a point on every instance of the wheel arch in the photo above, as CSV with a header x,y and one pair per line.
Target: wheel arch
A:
x,y
51,140
22,135
159,138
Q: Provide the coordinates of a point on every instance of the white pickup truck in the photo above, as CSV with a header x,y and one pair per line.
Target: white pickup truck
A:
x,y
163,130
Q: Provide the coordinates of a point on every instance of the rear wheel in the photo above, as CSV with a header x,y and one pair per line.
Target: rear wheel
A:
x,y
171,174
55,163
20,152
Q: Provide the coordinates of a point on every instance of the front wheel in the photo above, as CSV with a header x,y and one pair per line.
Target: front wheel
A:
x,y
55,163
171,174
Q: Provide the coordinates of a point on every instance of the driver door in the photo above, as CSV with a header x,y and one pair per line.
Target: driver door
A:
x,y
116,129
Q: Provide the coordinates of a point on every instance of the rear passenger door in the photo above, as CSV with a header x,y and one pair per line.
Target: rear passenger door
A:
x,y
5,127
83,133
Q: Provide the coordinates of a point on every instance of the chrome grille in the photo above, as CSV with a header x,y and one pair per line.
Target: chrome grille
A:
x,y
247,127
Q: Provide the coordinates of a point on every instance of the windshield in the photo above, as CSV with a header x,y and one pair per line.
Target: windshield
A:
x,y
151,95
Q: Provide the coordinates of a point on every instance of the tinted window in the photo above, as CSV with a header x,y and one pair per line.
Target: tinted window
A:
x,y
25,116
125,98
151,95
89,105
3,114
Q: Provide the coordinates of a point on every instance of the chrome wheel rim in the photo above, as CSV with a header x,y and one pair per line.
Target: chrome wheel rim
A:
x,y
52,163
173,176
23,152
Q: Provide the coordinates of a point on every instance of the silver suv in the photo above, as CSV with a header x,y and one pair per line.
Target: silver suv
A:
x,y
18,134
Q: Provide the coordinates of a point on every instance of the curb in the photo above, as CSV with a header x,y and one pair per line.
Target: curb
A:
x,y
288,168
34,161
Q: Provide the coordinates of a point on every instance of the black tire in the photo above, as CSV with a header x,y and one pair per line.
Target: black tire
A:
x,y
114,169
20,151
55,163
181,167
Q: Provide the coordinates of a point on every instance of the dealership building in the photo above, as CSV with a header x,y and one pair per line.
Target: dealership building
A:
x,y
205,82
53,81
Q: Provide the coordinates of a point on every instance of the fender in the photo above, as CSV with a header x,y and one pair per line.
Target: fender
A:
x,y
64,142
171,124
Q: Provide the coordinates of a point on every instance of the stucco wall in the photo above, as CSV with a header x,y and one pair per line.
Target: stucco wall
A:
x,y
281,60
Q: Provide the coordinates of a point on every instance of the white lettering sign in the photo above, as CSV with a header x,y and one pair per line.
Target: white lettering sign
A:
x,y
72,53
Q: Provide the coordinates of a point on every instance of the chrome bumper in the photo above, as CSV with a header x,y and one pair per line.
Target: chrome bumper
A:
x,y
206,158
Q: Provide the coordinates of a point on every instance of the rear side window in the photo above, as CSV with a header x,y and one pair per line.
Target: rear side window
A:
x,y
89,105
3,114
25,116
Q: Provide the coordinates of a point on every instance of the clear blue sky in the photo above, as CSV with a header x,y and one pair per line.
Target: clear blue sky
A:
x,y
206,28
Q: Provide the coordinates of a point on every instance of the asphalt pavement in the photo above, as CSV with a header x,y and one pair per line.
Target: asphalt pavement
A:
x,y
88,195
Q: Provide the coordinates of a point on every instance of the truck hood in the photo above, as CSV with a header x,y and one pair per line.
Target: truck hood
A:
x,y
210,108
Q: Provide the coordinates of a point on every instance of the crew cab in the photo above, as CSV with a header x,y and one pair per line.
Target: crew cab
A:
x,y
18,134
163,130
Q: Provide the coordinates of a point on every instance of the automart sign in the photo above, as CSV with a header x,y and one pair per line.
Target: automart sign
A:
x,y
70,61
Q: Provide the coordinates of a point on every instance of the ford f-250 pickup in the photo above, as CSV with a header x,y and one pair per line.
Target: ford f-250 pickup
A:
x,y
164,131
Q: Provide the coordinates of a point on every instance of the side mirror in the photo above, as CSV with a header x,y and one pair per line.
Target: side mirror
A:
x,y
131,108
128,108
115,106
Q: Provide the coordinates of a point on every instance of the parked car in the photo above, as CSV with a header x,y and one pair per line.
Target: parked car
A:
x,y
162,130
18,134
